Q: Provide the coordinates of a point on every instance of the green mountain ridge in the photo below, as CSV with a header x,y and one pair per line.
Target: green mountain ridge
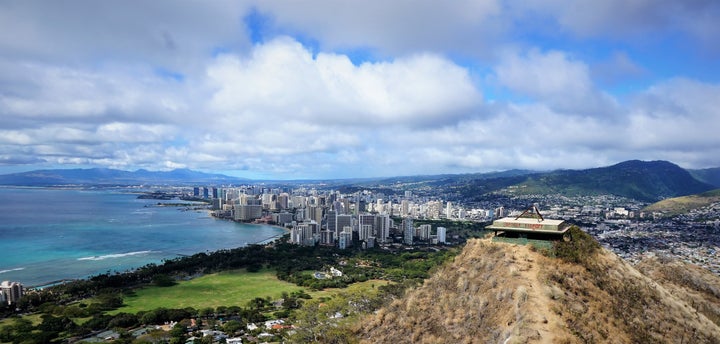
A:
x,y
641,180
647,181
707,175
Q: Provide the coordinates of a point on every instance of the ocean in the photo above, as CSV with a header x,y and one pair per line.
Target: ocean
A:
x,y
48,235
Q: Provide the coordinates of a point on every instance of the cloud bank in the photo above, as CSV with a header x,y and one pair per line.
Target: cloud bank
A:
x,y
277,90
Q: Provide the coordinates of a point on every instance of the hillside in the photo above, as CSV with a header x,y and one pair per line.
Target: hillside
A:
x,y
685,204
707,175
503,293
641,180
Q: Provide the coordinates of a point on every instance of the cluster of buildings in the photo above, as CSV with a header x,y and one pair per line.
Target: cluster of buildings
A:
x,y
328,217
621,225
369,218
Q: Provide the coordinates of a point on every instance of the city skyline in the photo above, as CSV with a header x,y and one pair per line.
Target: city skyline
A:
x,y
277,90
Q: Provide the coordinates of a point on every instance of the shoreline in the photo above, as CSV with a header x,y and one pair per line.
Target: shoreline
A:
x,y
265,241
43,273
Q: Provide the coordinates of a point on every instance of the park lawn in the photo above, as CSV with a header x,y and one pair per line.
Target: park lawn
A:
x,y
34,319
367,287
228,288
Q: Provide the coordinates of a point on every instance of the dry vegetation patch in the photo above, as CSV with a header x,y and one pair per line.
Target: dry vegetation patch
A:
x,y
696,286
489,294
503,293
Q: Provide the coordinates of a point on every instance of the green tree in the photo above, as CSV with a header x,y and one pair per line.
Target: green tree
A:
x,y
163,280
178,331
232,326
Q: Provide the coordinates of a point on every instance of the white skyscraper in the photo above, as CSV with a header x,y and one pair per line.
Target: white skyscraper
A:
x,y
441,233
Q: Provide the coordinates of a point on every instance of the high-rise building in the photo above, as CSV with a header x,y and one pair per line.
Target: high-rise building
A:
x,y
327,237
282,218
11,292
331,222
282,201
299,201
448,210
346,206
300,214
247,212
339,208
425,231
315,213
305,233
369,243
367,219
408,231
343,221
365,231
345,238
404,207
382,228
441,233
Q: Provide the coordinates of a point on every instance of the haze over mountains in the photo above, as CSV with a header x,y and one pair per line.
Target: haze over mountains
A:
x,y
642,180
106,176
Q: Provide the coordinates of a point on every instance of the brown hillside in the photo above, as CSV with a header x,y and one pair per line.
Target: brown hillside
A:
x,y
689,282
503,293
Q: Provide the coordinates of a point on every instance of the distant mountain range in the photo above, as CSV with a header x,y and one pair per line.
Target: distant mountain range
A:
x,y
641,180
648,181
106,176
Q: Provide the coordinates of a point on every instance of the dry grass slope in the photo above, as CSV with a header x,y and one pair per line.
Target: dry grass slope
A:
x,y
502,293
691,283
681,205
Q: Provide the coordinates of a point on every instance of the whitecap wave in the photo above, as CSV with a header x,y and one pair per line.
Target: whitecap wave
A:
x,y
11,270
114,255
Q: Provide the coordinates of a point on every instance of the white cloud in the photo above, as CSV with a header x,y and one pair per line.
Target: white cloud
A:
x,y
556,79
163,85
282,80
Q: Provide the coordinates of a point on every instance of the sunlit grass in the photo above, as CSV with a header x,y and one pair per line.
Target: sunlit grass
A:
x,y
230,288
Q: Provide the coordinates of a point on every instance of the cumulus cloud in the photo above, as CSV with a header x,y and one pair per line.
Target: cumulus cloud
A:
x,y
283,80
555,78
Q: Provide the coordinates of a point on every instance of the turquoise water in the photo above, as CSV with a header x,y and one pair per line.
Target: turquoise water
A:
x,y
49,234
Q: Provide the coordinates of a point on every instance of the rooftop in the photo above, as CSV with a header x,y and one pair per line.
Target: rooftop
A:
x,y
529,225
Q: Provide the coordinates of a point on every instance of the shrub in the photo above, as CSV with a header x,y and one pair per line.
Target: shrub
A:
x,y
579,249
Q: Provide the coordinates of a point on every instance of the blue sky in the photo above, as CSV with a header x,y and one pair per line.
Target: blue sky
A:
x,y
337,89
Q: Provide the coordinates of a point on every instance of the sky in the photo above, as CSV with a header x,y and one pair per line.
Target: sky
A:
x,y
280,89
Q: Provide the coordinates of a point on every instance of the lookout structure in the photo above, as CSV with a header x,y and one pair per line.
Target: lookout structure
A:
x,y
530,224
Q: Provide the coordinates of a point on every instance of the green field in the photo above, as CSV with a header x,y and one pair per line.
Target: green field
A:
x,y
230,288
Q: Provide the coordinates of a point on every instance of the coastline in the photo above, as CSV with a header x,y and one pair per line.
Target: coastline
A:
x,y
99,229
